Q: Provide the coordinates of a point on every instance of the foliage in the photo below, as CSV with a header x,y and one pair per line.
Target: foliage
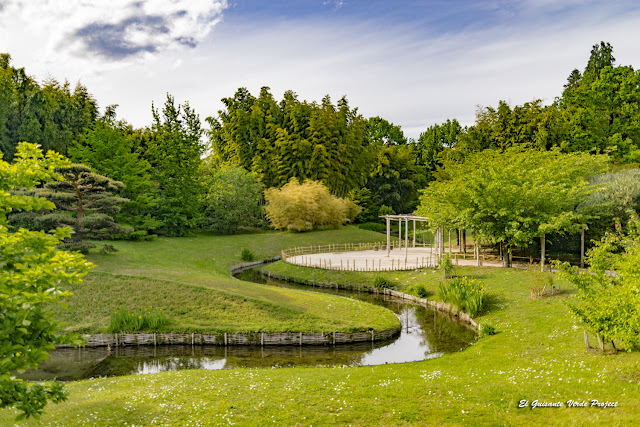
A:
x,y
435,142
292,139
608,301
32,273
382,282
247,255
50,114
114,149
396,178
421,291
149,319
617,198
599,111
108,249
233,200
487,329
512,197
386,210
369,202
305,206
174,150
381,132
446,264
373,226
88,201
466,294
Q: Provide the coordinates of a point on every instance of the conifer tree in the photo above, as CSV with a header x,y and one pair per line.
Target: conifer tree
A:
x,y
85,201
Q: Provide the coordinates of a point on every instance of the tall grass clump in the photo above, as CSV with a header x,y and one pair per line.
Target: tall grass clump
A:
x,y
382,282
247,255
466,294
124,320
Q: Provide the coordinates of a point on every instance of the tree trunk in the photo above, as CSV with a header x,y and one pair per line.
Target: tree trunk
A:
x,y
543,241
506,259
464,241
582,248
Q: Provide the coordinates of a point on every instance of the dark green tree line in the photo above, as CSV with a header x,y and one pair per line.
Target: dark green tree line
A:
x,y
50,114
292,139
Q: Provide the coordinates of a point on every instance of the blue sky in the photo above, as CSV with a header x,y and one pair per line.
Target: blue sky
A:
x,y
415,63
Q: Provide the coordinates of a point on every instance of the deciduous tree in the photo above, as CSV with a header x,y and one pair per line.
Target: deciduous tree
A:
x,y
513,197
32,277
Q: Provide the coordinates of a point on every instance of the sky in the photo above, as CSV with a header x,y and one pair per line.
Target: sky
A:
x,y
414,63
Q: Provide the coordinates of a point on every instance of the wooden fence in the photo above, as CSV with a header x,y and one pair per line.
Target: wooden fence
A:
x,y
244,266
337,248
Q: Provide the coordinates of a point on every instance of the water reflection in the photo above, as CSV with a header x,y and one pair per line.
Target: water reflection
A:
x,y
425,335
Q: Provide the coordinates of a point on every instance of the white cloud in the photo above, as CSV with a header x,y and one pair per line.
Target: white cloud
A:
x,y
108,31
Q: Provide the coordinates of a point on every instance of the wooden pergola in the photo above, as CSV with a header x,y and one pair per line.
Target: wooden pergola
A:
x,y
402,218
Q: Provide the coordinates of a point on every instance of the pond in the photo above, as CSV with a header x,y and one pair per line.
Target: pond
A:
x,y
425,334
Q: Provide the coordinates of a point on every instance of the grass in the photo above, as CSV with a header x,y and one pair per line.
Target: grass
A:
x,y
537,353
197,308
188,279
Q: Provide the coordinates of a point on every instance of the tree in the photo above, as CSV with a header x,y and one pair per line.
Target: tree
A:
x,y
396,178
513,197
617,198
86,203
382,132
601,57
292,139
32,276
232,200
174,150
50,114
434,141
305,206
601,108
609,304
112,148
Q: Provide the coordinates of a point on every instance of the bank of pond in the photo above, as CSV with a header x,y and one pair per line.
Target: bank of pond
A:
x,y
425,334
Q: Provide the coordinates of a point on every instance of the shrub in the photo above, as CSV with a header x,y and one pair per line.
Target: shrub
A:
x,y
446,265
305,206
381,282
247,255
373,226
386,210
487,329
468,295
232,200
418,290
421,291
108,249
128,321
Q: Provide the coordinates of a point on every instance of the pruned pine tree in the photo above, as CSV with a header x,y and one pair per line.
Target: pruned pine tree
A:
x,y
85,201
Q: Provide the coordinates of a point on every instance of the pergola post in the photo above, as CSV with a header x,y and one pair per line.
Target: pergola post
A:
x,y
406,239
414,233
400,233
388,234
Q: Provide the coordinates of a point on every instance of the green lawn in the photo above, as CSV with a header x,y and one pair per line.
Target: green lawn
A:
x,y
188,279
538,354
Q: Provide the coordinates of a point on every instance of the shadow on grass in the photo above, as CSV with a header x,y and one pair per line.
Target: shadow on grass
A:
x,y
493,303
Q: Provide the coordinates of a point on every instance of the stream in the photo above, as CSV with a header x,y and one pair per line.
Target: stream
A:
x,y
425,334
